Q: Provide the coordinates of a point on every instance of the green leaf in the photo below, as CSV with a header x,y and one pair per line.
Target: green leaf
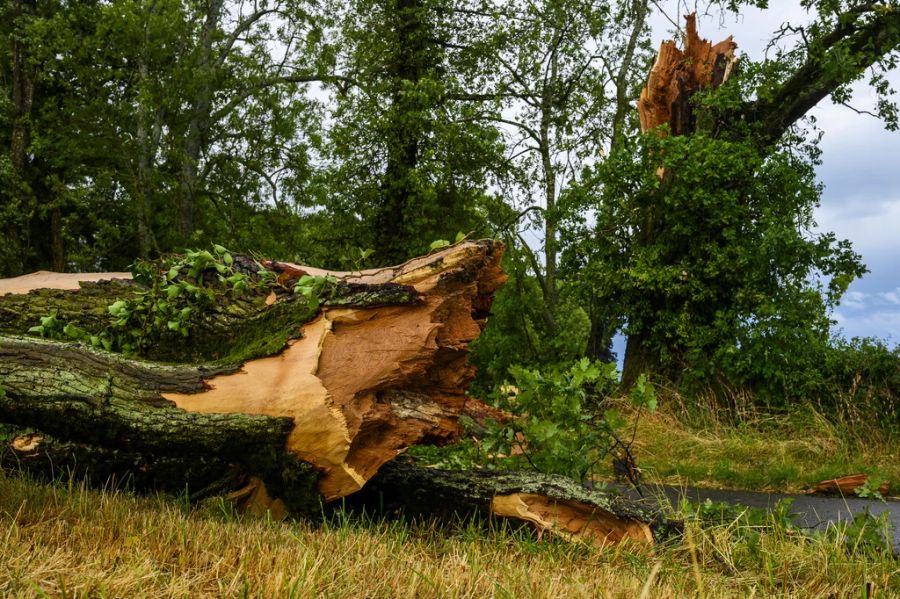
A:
x,y
37,330
440,243
117,307
459,237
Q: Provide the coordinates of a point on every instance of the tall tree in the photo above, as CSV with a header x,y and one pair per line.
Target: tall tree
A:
x,y
709,241
409,163
138,126
566,76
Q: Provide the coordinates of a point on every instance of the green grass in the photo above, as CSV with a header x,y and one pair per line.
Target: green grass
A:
x,y
66,541
788,453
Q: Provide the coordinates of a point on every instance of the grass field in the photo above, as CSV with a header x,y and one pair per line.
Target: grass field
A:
x,y
65,541
787,453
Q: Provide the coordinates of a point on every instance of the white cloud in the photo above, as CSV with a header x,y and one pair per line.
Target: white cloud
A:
x,y
883,324
891,297
854,300
875,231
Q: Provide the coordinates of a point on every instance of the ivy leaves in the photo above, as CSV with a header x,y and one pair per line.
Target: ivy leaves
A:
x,y
172,294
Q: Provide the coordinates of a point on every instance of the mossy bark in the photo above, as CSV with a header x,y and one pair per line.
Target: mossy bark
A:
x,y
402,486
232,328
68,408
309,394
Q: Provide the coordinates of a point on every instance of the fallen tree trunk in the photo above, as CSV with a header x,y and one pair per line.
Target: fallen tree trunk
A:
x,y
262,375
292,384
552,504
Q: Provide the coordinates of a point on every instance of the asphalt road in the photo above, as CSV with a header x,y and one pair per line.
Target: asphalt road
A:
x,y
814,511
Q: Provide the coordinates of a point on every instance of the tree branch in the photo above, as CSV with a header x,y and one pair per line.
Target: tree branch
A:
x,y
837,58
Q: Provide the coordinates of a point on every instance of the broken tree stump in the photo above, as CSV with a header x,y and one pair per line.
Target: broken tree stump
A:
x,y
678,74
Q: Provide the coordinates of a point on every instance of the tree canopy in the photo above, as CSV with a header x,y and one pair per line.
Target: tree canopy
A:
x,y
346,134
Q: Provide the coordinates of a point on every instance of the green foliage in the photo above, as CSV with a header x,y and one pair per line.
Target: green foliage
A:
x,y
715,268
407,157
562,426
357,257
562,431
148,128
315,289
50,327
517,331
173,294
869,490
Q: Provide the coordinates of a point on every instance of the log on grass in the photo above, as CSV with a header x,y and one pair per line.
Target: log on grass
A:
x,y
552,504
262,380
283,402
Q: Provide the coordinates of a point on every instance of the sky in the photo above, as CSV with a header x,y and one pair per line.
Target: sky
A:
x,y
860,170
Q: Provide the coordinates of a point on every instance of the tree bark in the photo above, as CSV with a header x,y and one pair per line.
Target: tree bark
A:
x,y
380,367
21,77
400,191
554,505
200,117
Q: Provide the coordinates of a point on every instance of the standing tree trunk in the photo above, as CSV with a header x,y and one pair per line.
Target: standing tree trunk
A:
x,y
200,117
666,100
19,194
400,190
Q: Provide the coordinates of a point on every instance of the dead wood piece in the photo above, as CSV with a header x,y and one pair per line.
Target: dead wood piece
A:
x,y
847,485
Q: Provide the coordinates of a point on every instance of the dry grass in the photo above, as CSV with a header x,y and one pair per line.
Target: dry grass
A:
x,y
63,541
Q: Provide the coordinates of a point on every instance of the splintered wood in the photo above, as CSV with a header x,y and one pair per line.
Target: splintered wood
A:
x,y
362,385
572,520
677,74
847,485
